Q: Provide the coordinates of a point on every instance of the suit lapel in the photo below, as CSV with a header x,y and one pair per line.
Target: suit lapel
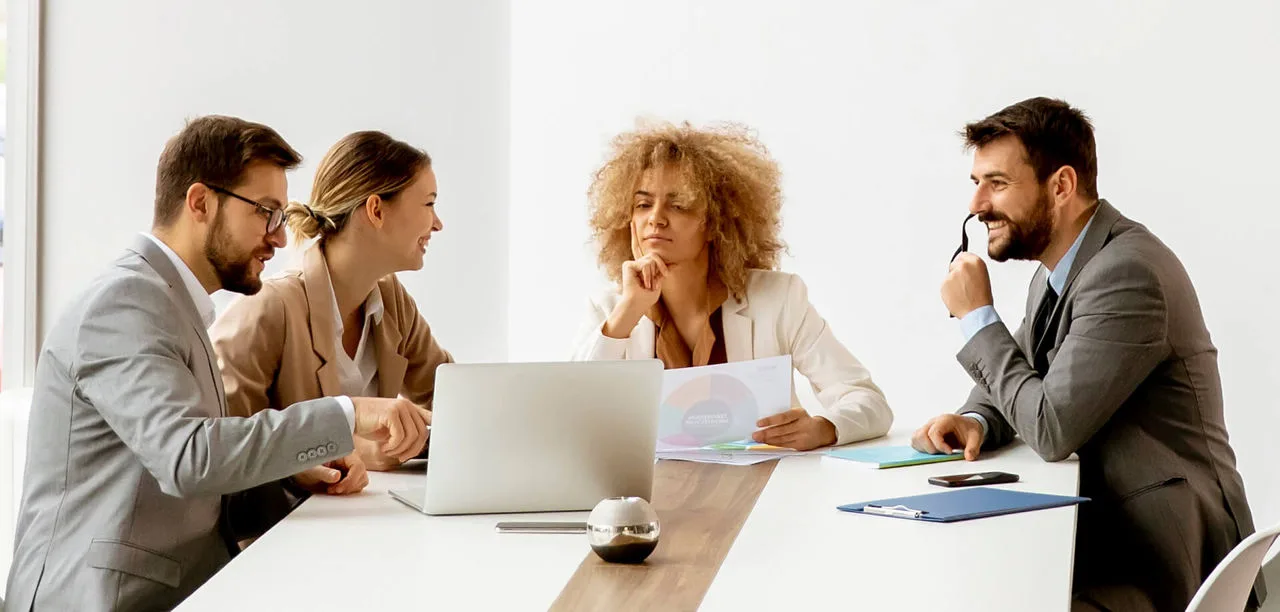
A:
x,y
738,334
1104,218
391,365
739,341
1038,283
321,315
159,261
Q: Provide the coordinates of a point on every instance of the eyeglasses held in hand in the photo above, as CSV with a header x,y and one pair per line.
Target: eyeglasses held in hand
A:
x,y
964,238
964,241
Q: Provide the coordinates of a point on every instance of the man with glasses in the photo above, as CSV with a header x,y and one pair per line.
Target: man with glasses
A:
x,y
131,464
1112,362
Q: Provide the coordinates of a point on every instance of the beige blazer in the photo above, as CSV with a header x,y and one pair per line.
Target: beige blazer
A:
x,y
278,347
774,318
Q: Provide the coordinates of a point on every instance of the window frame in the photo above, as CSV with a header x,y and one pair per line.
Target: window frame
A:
x,y
22,182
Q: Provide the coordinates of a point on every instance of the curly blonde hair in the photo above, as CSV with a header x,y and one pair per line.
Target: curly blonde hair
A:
x,y
727,172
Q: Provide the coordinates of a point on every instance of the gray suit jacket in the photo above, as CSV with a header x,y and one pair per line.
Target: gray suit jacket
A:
x,y
129,458
1132,388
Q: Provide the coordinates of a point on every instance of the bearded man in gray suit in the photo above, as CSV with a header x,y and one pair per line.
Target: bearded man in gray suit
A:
x,y
1113,362
131,464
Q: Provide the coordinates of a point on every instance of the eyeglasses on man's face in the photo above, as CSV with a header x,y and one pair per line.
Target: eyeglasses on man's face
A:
x,y
275,216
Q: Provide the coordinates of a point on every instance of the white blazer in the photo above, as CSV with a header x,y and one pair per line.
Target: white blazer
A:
x,y
774,318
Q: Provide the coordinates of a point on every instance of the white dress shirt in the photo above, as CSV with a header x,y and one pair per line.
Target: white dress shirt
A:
x,y
204,303
359,376
204,306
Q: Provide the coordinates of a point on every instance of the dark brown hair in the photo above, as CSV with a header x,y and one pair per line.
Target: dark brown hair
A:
x,y
358,166
1053,133
214,149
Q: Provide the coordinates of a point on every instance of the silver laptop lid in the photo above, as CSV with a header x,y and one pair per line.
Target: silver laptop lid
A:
x,y
540,437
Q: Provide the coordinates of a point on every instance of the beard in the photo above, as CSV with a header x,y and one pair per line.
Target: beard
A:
x,y
1026,239
233,267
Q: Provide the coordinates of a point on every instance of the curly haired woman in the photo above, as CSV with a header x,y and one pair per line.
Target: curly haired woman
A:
x,y
687,222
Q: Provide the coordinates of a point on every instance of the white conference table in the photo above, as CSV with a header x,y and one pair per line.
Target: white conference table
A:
x,y
369,552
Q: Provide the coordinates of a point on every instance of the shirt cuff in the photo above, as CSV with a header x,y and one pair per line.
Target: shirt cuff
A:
x,y
348,410
981,420
977,319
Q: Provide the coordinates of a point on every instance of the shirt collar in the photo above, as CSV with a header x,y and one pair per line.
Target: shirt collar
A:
x,y
204,303
372,307
1058,275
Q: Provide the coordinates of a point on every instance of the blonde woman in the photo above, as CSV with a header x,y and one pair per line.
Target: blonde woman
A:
x,y
687,223
343,324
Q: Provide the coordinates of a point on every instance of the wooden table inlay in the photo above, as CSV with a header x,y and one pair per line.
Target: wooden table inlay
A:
x,y
701,507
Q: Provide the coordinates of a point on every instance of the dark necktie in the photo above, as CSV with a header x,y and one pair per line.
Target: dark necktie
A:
x,y
1039,343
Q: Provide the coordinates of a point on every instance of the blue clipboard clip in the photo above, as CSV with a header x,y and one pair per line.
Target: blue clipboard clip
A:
x,y
899,510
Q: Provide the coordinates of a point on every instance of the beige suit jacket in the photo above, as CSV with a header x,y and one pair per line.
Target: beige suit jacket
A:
x,y
278,347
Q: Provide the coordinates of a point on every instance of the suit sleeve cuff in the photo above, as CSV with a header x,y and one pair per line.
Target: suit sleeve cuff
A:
x,y
981,421
348,410
976,320
606,348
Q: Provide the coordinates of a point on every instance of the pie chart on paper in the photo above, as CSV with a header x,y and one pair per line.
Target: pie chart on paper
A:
x,y
708,410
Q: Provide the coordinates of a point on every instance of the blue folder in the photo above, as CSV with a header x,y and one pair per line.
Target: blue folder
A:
x,y
961,504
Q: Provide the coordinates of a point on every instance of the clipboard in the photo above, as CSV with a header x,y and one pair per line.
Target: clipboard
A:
x,y
961,505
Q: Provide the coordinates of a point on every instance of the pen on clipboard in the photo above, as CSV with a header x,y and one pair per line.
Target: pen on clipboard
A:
x,y
901,511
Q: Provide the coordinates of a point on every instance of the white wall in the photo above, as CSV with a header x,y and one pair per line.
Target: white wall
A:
x,y
860,103
119,79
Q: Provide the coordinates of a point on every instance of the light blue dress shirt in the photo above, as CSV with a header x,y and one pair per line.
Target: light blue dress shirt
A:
x,y
978,319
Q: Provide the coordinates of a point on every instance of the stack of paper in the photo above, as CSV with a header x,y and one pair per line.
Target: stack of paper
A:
x,y
722,457
709,413
745,452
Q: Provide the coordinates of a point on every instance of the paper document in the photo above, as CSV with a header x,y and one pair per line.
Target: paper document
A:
x,y
723,458
721,403
742,452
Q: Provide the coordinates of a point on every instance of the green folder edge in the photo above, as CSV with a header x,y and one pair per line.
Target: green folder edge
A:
x,y
905,463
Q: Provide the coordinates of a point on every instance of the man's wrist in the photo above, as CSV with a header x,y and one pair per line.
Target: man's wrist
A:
x,y
977,319
348,410
981,421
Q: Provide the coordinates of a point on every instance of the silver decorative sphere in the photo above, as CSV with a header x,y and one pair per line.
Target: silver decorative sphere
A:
x,y
623,529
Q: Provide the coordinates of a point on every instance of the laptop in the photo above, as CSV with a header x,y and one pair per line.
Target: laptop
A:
x,y
539,437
